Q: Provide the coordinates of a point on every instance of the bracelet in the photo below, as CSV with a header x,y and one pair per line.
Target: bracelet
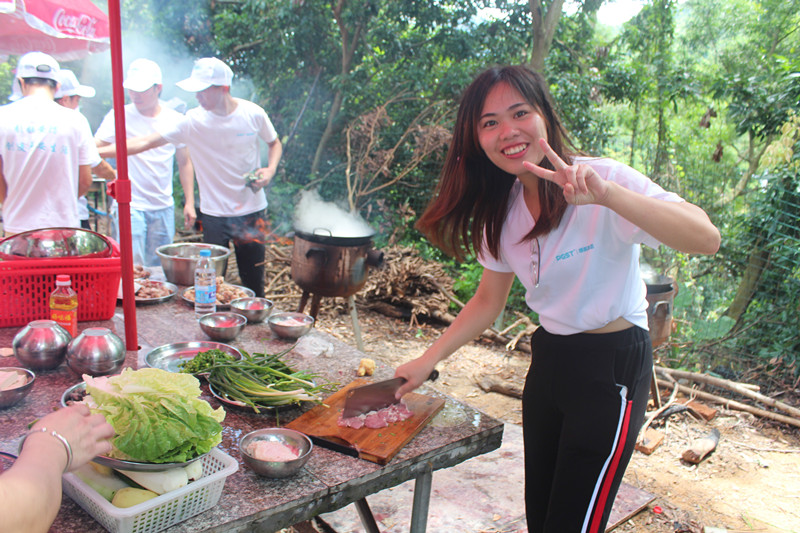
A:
x,y
55,434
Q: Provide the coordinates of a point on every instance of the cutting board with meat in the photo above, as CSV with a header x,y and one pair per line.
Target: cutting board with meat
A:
x,y
378,445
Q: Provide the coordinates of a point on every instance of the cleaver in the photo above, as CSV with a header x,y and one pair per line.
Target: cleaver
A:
x,y
374,396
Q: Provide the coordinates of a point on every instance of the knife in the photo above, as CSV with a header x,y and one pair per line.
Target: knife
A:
x,y
374,396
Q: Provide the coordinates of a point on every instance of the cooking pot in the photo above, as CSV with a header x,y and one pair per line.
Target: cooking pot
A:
x,y
661,291
329,265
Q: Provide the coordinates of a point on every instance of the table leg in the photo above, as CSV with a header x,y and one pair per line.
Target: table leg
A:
x,y
367,519
422,500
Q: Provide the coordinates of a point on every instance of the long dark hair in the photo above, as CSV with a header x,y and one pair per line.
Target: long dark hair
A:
x,y
473,194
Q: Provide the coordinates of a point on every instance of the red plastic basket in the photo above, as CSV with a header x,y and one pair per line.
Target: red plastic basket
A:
x,y
26,284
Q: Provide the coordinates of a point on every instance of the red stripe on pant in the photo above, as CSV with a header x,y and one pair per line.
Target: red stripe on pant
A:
x,y
602,498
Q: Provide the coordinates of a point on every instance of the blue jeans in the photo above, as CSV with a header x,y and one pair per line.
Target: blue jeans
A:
x,y
149,230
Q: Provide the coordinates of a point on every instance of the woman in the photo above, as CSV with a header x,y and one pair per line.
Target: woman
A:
x,y
570,228
57,443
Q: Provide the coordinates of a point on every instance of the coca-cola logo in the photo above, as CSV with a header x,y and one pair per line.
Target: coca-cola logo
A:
x,y
75,24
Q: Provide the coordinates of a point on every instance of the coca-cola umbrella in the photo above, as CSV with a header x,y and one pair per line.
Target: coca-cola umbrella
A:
x,y
65,29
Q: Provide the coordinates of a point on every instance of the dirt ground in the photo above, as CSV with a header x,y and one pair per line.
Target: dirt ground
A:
x,y
751,482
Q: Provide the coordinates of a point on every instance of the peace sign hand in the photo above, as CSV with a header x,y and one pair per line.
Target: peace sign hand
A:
x,y
580,183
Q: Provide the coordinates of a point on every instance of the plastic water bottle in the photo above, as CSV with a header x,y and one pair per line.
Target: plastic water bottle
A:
x,y
205,285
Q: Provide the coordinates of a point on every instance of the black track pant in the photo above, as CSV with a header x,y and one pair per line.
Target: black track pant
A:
x,y
247,234
583,405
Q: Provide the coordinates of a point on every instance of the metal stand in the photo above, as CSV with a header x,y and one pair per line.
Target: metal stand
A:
x,y
315,302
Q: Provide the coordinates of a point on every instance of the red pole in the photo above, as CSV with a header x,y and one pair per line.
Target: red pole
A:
x,y
121,189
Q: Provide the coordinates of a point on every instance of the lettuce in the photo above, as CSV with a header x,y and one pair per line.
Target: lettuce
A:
x,y
157,415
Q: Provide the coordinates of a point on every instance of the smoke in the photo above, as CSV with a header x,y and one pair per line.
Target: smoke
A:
x,y
176,65
314,215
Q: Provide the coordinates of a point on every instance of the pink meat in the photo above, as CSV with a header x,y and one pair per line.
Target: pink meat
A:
x,y
377,419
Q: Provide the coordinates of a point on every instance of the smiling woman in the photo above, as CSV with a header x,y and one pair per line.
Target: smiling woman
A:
x,y
517,194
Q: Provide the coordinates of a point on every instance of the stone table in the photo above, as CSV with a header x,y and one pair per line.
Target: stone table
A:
x,y
328,481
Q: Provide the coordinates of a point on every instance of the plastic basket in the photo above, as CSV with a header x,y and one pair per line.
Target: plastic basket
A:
x,y
162,511
26,284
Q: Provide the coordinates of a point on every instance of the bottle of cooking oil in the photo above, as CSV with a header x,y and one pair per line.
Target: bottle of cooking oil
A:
x,y
64,305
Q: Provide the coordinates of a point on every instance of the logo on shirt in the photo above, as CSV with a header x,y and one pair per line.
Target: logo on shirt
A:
x,y
571,253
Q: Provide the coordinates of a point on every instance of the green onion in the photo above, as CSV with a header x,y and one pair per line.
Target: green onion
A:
x,y
257,380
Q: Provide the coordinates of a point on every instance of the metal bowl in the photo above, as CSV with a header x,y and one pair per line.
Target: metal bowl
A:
x,y
55,242
41,345
97,352
179,260
294,440
10,397
222,326
290,325
170,357
254,309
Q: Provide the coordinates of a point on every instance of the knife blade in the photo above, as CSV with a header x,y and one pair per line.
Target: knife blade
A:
x,y
375,396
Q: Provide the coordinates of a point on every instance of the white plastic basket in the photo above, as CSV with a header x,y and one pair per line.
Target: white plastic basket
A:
x,y
162,511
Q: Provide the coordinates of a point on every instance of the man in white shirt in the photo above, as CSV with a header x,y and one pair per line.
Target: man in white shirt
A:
x,y
46,152
150,172
69,94
223,136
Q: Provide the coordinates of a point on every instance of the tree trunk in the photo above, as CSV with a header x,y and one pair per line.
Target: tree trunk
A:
x,y
349,44
757,263
543,29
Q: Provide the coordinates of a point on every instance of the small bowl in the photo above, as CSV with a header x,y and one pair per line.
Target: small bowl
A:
x,y
41,345
296,441
97,352
255,309
72,394
290,325
222,326
13,396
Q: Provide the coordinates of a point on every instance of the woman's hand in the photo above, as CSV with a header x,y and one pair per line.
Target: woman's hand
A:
x,y
580,183
88,435
415,372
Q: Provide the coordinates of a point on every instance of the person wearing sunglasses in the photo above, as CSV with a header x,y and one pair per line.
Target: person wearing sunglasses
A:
x,y
515,192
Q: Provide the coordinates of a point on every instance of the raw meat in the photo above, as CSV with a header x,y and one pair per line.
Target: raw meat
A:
x,y
377,419
271,451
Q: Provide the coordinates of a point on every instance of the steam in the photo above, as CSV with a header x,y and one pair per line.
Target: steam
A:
x,y
314,215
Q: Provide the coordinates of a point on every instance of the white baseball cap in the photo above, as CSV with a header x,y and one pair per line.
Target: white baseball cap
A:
x,y
206,72
142,74
37,65
70,86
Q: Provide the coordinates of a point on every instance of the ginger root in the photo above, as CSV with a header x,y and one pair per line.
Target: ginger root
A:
x,y
366,367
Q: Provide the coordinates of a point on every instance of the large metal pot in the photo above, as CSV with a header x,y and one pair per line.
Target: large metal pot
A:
x,y
327,265
179,260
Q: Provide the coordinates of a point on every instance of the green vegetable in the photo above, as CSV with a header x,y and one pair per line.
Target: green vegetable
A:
x,y
158,416
105,484
258,380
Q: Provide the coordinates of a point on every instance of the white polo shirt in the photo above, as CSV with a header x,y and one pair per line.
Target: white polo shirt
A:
x,y
589,265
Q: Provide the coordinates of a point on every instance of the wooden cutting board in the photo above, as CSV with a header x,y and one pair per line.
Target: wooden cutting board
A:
x,y
376,445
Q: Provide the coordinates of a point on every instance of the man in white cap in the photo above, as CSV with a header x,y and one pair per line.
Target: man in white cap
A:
x,y
223,136
46,152
69,94
150,172
71,91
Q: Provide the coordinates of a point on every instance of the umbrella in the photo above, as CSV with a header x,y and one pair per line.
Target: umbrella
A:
x,y
64,29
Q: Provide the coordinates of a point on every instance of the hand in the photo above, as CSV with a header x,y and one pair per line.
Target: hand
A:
x,y
88,435
265,175
415,372
189,216
580,183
